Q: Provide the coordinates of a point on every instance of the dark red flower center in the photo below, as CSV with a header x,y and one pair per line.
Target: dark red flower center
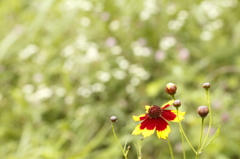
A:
x,y
154,111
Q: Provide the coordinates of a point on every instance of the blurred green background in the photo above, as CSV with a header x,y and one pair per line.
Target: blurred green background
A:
x,y
66,66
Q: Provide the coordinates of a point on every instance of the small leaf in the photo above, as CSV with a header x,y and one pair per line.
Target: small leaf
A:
x,y
214,137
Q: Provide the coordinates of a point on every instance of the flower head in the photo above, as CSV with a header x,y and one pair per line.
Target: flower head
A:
x,y
171,88
156,118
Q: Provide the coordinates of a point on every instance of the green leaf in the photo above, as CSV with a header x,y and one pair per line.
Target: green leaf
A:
x,y
213,137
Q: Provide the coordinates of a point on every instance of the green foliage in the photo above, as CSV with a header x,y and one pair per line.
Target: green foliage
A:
x,y
67,66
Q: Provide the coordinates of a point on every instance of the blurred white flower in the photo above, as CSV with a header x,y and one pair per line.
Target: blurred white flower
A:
x,y
28,89
150,7
182,15
122,63
81,42
119,74
135,81
171,9
206,35
84,92
38,77
159,55
103,76
183,54
228,3
167,42
130,88
114,25
69,100
175,24
211,10
92,54
139,72
116,50
144,15
85,5
110,41
68,65
85,22
217,24
43,93
98,87
99,7
139,49
60,91
105,16
28,51
68,50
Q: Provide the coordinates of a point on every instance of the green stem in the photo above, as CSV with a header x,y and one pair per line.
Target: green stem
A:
x,y
170,148
124,154
200,141
179,123
210,119
182,132
140,150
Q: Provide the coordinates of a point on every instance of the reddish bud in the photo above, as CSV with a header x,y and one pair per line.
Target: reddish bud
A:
x,y
203,111
171,88
113,119
177,103
206,85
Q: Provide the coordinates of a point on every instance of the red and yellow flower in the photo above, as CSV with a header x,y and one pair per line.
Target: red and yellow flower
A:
x,y
156,118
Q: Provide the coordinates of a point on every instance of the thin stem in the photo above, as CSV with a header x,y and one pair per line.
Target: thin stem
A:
x,y
183,148
197,155
210,118
170,148
140,150
182,131
179,123
124,154
200,141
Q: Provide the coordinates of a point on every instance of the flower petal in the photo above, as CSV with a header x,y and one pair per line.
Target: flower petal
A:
x,y
147,107
147,127
162,129
137,130
164,106
171,115
140,117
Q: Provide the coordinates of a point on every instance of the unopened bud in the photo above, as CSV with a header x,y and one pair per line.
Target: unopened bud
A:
x,y
171,88
113,119
177,103
206,85
203,111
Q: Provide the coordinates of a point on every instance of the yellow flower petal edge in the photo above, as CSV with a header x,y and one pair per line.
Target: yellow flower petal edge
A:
x,y
137,130
147,133
147,107
137,118
164,133
144,132
169,102
181,116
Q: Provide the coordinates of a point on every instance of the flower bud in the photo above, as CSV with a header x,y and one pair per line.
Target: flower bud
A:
x,y
206,85
113,119
171,88
203,111
177,103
